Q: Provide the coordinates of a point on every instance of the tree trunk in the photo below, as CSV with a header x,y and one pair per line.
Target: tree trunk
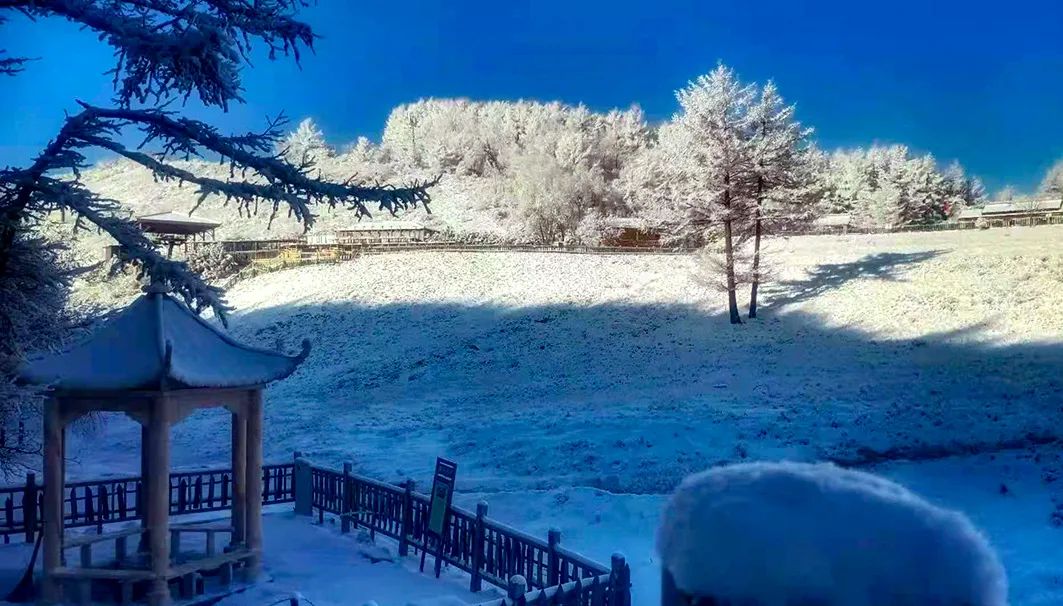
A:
x,y
732,301
756,268
756,253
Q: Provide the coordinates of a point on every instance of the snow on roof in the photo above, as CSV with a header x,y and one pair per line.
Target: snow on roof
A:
x,y
788,533
1022,206
383,225
970,213
172,217
833,220
158,342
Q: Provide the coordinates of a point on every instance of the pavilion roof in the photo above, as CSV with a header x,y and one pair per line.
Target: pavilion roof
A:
x,y
175,223
159,343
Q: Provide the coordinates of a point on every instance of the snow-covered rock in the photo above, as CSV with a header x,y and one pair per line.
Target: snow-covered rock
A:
x,y
774,534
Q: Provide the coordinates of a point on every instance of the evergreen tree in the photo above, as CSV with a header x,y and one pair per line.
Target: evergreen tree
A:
x,y
780,169
715,121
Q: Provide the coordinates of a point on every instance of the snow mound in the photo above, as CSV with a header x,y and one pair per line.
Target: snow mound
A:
x,y
784,533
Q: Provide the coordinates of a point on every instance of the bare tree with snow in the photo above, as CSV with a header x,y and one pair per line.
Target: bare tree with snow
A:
x,y
715,121
781,170
165,50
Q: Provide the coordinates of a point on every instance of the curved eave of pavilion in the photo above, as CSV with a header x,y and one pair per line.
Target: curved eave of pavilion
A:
x,y
157,343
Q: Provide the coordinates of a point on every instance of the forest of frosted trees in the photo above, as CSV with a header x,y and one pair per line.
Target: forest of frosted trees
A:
x,y
550,172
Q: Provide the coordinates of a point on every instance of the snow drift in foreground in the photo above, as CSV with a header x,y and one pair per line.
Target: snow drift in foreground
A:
x,y
783,533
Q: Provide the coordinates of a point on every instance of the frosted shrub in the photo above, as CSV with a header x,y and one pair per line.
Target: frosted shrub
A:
x,y
780,534
213,263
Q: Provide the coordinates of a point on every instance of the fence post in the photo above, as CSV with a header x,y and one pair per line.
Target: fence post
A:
x,y
476,584
406,525
517,587
29,507
553,564
345,498
619,581
302,486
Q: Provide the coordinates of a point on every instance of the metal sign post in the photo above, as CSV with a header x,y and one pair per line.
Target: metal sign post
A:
x,y
439,507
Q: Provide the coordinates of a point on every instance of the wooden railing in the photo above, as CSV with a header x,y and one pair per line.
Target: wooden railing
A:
x,y
486,549
611,589
99,502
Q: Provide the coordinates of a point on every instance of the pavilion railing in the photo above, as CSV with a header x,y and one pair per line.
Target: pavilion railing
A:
x,y
531,570
98,502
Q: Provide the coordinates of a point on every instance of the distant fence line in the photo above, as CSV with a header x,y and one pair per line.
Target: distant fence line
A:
x,y
306,254
526,567
265,256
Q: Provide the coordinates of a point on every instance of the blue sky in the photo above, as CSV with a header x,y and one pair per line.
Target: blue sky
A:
x,y
981,82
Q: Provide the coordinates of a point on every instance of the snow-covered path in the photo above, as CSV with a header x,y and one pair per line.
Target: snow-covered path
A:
x,y
331,569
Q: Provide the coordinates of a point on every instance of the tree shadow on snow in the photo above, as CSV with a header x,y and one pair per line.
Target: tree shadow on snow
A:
x,y
832,276
625,397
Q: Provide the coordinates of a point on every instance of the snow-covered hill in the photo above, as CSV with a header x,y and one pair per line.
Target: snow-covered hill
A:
x,y
619,371
548,376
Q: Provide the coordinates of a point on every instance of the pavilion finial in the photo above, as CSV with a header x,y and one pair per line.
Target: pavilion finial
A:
x,y
156,287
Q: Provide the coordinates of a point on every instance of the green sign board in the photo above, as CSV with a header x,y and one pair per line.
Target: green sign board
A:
x,y
442,491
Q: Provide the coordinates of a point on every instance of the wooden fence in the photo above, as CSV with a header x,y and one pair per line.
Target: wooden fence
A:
x,y
486,549
98,502
315,254
531,570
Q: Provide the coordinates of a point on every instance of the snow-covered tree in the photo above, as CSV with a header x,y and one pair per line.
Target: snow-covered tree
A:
x,y
519,146
1052,183
1009,193
305,144
715,122
886,187
781,171
165,51
34,316
962,189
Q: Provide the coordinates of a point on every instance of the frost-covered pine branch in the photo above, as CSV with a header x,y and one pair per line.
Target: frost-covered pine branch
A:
x,y
166,48
166,51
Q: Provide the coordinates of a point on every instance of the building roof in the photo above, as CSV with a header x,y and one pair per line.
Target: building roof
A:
x,y
174,223
969,213
833,220
626,222
996,208
158,343
384,225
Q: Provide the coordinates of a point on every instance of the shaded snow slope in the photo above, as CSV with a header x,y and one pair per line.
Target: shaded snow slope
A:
x,y
544,370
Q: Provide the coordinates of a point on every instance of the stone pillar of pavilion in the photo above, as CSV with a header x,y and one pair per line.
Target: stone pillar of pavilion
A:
x,y
158,362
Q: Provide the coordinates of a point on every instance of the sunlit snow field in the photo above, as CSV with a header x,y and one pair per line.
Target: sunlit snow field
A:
x,y
575,390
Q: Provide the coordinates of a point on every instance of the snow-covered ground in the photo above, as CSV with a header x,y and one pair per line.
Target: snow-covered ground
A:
x,y
574,390
324,567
